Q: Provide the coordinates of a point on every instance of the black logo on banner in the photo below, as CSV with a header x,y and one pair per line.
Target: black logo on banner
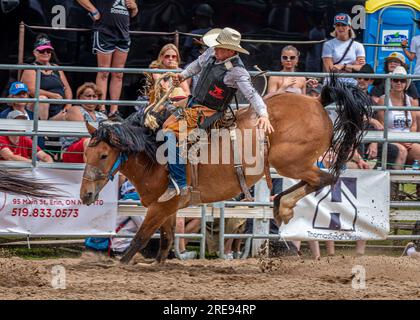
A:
x,y
339,199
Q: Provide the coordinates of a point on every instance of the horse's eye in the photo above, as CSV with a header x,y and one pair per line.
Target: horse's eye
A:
x,y
104,156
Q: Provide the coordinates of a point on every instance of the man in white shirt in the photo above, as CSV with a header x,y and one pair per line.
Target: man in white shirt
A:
x,y
414,53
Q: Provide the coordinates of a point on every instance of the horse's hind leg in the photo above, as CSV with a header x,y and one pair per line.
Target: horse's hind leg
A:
x,y
167,235
277,199
312,180
157,214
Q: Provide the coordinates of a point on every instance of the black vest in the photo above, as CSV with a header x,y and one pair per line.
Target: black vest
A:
x,y
211,91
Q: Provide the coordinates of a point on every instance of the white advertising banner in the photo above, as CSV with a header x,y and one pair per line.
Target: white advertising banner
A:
x,y
355,208
393,38
62,215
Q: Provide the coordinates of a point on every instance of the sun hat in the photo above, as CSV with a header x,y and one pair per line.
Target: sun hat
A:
x,y
17,87
396,56
226,38
401,70
16,114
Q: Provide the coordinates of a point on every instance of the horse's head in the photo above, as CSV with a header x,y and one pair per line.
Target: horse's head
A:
x,y
110,146
101,166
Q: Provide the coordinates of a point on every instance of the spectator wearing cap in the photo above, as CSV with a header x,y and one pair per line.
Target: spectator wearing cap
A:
x,y
343,53
111,41
19,148
18,90
203,22
54,84
395,59
414,53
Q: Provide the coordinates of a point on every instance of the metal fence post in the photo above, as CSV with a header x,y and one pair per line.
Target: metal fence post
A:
x,y
36,115
221,206
385,144
203,231
261,226
176,38
21,49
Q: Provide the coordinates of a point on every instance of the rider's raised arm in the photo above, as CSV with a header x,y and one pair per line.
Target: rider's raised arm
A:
x,y
195,67
240,78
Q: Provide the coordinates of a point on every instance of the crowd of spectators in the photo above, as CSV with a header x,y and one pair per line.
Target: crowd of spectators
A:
x,y
111,45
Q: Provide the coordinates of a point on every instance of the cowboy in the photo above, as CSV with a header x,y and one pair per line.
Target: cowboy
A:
x,y
221,74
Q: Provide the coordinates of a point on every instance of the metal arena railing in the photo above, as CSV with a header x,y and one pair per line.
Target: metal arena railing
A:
x,y
384,138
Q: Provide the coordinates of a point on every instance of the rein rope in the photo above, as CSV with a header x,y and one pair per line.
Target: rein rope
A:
x,y
150,120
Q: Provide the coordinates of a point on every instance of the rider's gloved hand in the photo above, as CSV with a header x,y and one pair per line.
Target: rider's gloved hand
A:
x,y
177,79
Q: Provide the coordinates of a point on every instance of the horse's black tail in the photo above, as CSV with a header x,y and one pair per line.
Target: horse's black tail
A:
x,y
354,110
16,182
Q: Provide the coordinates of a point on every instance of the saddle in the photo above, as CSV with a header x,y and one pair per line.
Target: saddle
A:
x,y
220,120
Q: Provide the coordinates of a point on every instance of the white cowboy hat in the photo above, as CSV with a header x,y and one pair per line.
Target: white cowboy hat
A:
x,y
401,70
226,38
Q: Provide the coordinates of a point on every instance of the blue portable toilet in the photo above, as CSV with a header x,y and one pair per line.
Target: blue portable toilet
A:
x,y
389,22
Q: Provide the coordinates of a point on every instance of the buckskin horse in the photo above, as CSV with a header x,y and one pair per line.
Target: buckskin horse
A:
x,y
303,132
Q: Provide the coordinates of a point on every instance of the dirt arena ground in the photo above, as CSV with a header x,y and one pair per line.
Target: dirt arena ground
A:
x,y
91,277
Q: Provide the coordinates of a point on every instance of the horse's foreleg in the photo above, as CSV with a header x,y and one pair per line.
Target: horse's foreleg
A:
x,y
167,235
157,214
313,180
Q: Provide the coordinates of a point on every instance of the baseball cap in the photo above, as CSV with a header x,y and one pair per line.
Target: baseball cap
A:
x,y
316,89
17,87
16,114
42,44
397,56
343,19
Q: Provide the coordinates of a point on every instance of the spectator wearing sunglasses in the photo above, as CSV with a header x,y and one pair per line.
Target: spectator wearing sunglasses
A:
x,y
401,120
289,62
169,58
73,148
54,84
395,59
343,53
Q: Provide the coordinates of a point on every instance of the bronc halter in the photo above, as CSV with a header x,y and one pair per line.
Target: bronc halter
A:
x,y
93,173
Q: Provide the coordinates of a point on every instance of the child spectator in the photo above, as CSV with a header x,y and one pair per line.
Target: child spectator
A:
x,y
19,148
18,90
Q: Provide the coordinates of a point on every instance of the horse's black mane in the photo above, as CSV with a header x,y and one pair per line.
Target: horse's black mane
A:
x,y
130,135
